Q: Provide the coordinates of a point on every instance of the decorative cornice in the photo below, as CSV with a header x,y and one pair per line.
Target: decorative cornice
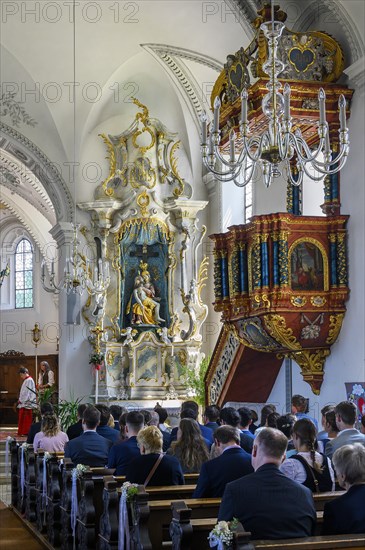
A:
x,y
356,75
171,59
21,222
246,11
37,162
26,178
338,15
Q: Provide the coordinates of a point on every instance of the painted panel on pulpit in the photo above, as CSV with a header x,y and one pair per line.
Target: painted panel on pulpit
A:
x,y
144,281
306,264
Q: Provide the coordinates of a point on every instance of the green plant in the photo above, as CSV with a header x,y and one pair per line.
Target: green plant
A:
x,y
43,396
66,411
194,380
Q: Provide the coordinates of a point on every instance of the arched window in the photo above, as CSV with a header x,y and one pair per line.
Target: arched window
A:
x,y
24,275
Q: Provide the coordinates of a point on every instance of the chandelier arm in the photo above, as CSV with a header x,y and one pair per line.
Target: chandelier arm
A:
x,y
221,175
294,182
342,153
247,179
331,171
299,141
221,159
312,176
259,142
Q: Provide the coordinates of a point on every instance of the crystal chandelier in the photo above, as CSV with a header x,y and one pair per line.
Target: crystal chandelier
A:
x,y
278,144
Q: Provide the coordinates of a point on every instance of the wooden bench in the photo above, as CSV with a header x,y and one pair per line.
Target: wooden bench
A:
x,y
192,534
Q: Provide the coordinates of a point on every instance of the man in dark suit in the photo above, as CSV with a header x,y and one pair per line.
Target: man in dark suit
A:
x,y
123,453
267,503
76,429
89,448
345,420
46,408
103,429
345,515
232,464
211,416
247,438
229,416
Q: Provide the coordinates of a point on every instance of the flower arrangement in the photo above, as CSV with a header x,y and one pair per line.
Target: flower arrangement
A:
x,y
129,489
79,470
25,445
47,455
96,358
222,533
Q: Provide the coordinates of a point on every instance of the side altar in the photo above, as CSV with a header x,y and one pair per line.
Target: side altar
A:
x,y
144,232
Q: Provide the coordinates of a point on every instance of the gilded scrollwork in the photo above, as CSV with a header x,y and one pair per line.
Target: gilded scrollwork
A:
x,y
311,363
202,277
276,326
334,327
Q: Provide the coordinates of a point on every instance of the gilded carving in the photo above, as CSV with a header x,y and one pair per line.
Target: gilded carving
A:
x,y
311,363
143,202
276,326
334,327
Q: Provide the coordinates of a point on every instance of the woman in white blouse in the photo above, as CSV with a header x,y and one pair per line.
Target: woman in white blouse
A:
x,y
308,467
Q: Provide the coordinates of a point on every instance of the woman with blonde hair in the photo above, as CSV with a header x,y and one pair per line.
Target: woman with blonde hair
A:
x,y
190,448
50,438
153,467
308,467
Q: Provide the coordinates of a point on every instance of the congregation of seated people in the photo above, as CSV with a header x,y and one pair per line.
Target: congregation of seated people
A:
x,y
284,458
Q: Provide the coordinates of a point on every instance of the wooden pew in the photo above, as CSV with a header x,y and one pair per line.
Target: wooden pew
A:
x,y
189,533
65,506
14,469
192,534
30,486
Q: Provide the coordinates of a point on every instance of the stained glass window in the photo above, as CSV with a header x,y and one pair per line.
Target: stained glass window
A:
x,y
24,275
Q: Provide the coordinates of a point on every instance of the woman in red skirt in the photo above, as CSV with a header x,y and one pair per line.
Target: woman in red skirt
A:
x,y
26,402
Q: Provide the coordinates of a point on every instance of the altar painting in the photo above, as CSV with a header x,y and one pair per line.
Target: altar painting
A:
x,y
144,282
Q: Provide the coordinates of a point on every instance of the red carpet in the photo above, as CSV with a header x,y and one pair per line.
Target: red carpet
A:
x,y
12,433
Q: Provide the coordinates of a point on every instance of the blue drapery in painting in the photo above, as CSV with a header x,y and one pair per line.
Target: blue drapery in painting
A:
x,y
145,240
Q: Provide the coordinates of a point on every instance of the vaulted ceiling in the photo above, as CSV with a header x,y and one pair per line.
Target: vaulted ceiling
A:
x,y
150,49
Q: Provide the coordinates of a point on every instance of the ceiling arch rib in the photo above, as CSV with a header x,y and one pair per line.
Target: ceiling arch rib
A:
x,y
22,182
171,59
37,227
25,151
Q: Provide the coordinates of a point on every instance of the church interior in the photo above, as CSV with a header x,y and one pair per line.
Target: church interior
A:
x,y
103,183
182,202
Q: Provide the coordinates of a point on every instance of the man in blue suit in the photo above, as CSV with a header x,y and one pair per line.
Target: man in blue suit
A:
x,y
267,503
211,417
103,429
89,448
123,453
232,464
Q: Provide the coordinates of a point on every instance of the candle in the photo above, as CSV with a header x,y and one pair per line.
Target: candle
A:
x,y
203,119
287,101
322,106
232,137
244,97
217,106
342,106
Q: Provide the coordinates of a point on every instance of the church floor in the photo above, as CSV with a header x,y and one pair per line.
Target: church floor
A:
x,y
13,533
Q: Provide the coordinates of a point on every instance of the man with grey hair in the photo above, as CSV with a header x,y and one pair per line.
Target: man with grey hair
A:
x,y
345,515
267,503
